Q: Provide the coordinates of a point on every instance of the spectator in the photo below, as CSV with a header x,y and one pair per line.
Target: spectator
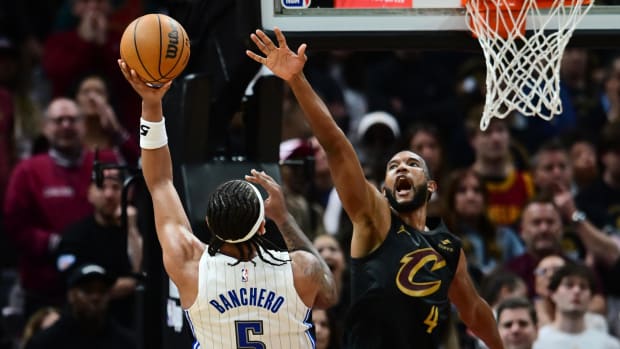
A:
x,y
551,169
551,166
297,171
46,193
517,323
424,139
601,201
509,187
103,130
85,323
99,239
501,285
15,75
376,138
583,152
610,98
39,321
542,230
327,334
329,248
580,107
90,47
571,291
464,210
545,308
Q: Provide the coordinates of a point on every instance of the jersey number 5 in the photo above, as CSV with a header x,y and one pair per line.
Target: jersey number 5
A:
x,y
244,329
431,319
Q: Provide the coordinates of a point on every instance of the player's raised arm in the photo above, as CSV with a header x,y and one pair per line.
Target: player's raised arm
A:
x,y
314,280
358,197
178,244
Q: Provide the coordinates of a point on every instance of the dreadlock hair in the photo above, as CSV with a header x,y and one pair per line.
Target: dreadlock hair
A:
x,y
233,210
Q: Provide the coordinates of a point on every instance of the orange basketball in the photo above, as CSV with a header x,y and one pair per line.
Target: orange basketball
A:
x,y
156,46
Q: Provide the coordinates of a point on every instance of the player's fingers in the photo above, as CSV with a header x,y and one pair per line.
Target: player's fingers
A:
x,y
259,43
123,67
255,57
266,40
165,87
280,37
301,51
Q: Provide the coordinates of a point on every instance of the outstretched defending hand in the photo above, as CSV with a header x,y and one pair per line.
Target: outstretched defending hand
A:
x,y
148,94
280,60
275,207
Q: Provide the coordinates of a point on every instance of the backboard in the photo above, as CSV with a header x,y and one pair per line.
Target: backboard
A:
x,y
431,24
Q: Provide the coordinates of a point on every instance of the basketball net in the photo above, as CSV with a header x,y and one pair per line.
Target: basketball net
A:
x,y
523,71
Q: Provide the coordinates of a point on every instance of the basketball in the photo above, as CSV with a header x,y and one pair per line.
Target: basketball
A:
x,y
157,47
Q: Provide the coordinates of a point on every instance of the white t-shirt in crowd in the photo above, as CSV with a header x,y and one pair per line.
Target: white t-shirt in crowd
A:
x,y
551,338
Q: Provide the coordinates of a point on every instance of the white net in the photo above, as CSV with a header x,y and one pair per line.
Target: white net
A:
x,y
523,68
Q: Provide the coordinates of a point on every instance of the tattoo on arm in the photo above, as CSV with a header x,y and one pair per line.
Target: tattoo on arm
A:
x,y
295,240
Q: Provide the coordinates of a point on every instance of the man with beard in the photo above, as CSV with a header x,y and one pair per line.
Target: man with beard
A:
x,y
46,193
404,274
100,239
541,230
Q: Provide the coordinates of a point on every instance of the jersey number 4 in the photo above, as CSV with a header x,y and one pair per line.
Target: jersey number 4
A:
x,y
244,329
431,319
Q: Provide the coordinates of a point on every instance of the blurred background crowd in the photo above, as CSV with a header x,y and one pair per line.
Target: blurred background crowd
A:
x,y
526,196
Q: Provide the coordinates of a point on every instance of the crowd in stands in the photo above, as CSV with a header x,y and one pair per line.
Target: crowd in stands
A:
x,y
536,203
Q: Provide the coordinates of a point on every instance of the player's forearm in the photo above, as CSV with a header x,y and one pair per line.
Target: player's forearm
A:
x,y
483,324
295,240
317,114
156,163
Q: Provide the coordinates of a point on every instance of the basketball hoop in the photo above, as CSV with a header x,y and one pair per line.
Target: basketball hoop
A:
x,y
523,70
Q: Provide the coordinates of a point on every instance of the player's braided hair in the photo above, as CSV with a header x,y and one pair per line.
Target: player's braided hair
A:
x,y
232,211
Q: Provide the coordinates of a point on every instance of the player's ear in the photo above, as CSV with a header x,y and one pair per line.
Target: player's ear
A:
x,y
432,186
262,230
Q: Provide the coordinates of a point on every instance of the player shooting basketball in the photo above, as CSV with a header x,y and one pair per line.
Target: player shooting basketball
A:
x,y
237,292
404,276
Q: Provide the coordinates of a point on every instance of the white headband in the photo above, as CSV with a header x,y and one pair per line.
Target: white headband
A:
x,y
261,218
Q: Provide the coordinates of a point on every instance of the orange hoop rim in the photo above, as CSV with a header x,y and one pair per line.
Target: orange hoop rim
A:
x,y
512,5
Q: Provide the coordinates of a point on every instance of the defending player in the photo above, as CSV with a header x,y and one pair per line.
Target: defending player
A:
x,y
403,276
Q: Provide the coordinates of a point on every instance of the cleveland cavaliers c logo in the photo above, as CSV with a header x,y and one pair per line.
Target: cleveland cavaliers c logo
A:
x,y
411,264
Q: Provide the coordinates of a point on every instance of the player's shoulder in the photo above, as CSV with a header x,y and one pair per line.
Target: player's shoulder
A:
x,y
438,231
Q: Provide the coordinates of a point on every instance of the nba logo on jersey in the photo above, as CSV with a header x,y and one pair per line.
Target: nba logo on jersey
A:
x,y
296,3
244,275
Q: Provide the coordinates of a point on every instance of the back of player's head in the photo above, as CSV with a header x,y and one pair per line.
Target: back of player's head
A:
x,y
235,211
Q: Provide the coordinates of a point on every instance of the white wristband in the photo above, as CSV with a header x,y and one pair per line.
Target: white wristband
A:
x,y
153,134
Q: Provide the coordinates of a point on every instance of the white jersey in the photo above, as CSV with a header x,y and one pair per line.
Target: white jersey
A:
x,y
250,305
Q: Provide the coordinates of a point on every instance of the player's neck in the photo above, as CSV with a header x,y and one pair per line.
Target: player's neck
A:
x,y
415,218
232,250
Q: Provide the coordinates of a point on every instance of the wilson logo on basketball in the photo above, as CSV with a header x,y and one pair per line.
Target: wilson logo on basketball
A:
x,y
173,41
